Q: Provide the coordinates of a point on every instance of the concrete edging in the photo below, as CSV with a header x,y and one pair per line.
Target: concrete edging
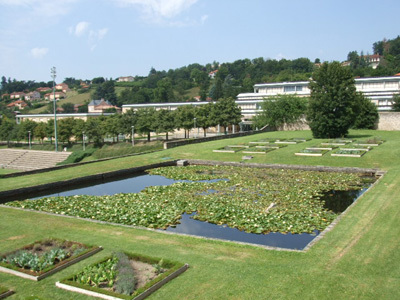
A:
x,y
52,271
141,296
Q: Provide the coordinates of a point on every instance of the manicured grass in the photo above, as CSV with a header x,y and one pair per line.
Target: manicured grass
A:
x,y
8,171
358,259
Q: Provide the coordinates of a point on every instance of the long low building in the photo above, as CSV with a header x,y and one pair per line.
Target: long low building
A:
x,y
46,117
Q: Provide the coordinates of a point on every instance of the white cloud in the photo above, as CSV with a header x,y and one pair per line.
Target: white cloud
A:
x,y
157,10
93,36
81,28
96,36
39,53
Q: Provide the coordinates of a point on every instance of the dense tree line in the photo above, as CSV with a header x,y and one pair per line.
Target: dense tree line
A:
x,y
223,112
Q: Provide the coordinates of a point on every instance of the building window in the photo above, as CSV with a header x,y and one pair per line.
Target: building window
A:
x,y
289,89
299,88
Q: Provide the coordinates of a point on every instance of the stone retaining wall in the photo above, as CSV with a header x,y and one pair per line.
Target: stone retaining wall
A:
x,y
389,121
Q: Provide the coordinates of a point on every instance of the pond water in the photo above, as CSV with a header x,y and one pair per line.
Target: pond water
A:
x,y
337,201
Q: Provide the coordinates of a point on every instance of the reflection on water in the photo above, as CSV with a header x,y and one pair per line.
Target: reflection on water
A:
x,y
273,239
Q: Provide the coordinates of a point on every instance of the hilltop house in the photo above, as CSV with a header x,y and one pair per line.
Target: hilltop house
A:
x,y
62,87
100,106
17,95
32,96
58,95
19,103
126,79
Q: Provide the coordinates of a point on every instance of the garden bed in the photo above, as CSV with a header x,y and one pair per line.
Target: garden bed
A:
x,y
123,276
337,142
312,152
44,258
259,150
323,147
263,141
231,148
349,153
372,142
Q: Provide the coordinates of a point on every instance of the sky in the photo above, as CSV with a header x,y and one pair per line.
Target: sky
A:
x,y
85,39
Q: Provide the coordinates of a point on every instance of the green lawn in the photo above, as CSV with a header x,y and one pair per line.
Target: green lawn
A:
x,y
358,259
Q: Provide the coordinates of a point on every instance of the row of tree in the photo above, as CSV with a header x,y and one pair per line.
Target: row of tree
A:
x,y
223,112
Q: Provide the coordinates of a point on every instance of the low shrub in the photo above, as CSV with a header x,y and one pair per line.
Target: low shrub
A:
x,y
126,281
77,156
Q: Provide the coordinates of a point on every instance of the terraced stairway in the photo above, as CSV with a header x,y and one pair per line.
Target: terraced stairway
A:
x,y
27,160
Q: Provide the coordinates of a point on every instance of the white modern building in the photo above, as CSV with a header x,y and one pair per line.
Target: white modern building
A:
x,y
379,90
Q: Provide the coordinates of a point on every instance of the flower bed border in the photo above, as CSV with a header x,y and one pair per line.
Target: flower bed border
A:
x,y
25,273
266,150
349,155
141,293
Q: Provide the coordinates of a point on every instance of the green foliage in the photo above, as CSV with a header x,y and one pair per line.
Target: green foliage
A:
x,y
28,260
333,95
226,112
77,156
106,91
396,102
68,107
125,282
103,273
295,194
367,116
284,109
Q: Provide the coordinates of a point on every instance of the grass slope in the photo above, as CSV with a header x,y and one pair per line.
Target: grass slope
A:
x,y
359,259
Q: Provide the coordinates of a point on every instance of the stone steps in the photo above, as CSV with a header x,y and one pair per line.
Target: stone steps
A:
x,y
30,159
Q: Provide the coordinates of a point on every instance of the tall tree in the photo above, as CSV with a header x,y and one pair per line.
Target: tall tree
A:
x,y
226,112
146,120
165,121
184,118
333,93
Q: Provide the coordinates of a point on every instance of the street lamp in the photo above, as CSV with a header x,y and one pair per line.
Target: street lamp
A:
x,y
83,140
53,75
133,138
29,139
194,119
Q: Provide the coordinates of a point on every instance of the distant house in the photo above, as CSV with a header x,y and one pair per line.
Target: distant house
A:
x,y
43,89
19,103
126,79
32,96
100,106
58,95
17,95
62,87
373,60
212,74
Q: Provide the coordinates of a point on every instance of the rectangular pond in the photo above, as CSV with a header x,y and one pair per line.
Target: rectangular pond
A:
x,y
337,201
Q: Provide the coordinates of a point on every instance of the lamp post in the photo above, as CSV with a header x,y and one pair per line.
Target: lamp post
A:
x,y
194,119
83,140
133,138
29,139
53,75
